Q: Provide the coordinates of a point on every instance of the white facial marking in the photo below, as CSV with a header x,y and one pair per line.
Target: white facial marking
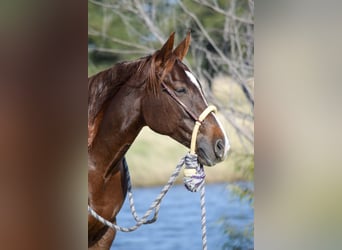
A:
x,y
226,141
193,79
196,83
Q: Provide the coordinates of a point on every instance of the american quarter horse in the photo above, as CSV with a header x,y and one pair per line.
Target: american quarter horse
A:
x,y
121,101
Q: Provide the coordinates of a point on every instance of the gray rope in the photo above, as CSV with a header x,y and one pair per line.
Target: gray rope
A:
x,y
203,219
192,183
195,181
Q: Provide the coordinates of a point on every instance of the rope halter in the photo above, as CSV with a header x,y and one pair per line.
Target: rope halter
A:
x,y
193,172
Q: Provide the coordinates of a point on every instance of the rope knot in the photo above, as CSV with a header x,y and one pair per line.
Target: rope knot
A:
x,y
193,173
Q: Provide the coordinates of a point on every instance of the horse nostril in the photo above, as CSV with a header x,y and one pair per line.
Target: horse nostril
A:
x,y
219,148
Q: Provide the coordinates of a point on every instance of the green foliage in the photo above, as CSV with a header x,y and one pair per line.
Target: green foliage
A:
x,y
237,239
245,165
241,239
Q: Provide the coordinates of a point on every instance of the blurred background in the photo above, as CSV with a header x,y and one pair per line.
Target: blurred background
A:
x,y
221,55
43,95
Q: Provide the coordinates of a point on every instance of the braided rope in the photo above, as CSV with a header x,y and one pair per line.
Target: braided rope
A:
x,y
192,184
203,219
154,206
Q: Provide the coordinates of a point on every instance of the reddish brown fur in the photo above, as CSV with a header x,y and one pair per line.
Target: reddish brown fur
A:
x,y
124,99
182,48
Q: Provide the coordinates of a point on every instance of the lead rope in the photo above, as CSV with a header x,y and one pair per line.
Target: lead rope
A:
x,y
193,180
154,206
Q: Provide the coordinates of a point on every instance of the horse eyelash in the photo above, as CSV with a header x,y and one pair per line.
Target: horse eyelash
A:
x,y
181,90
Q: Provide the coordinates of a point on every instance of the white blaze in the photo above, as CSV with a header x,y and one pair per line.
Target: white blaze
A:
x,y
193,79
226,141
196,83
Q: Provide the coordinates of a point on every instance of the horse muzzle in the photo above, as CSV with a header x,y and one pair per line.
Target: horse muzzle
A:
x,y
210,149
210,154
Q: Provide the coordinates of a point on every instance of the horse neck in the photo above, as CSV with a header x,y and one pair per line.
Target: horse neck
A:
x,y
120,125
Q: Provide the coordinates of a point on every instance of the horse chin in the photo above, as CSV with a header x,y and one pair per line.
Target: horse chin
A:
x,y
204,159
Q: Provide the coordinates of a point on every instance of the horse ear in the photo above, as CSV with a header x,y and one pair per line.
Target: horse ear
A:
x,y
183,47
165,52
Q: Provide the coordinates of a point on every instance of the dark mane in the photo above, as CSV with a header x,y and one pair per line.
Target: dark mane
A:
x,y
105,85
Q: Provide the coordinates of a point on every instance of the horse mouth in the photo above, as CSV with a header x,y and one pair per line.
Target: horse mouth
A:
x,y
204,159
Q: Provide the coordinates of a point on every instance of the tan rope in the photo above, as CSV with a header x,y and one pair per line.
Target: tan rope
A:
x,y
188,172
198,123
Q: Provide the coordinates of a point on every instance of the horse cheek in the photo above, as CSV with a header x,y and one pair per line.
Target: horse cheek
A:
x,y
156,119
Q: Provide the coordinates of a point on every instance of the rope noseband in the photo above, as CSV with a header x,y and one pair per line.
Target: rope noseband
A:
x,y
198,123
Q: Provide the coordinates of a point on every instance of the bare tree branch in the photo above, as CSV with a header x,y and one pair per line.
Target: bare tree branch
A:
x,y
123,42
119,51
154,29
232,68
221,11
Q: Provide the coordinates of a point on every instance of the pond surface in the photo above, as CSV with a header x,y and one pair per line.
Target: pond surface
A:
x,y
179,222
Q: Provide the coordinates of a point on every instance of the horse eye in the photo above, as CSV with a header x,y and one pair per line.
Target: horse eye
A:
x,y
181,90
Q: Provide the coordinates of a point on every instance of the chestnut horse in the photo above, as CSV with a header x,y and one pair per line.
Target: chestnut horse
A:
x,y
124,99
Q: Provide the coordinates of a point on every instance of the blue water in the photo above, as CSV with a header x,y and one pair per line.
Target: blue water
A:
x,y
179,222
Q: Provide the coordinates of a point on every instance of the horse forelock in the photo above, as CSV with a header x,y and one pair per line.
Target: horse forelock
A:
x,y
157,72
152,76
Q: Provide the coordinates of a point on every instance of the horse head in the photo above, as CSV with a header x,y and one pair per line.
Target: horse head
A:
x,y
174,100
